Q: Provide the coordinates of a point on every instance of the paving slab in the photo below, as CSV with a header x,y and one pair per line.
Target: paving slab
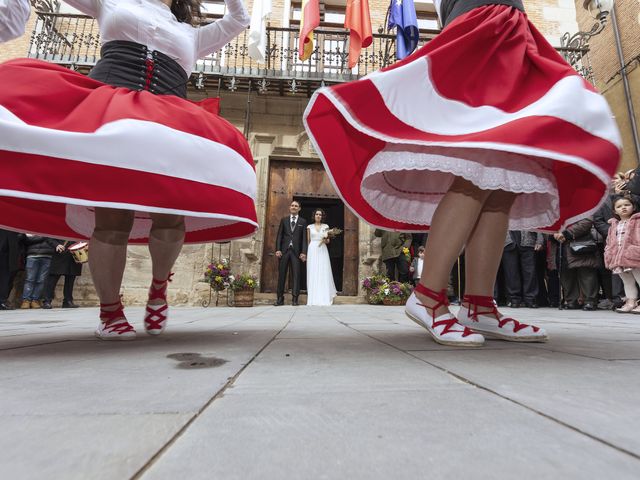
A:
x,y
349,391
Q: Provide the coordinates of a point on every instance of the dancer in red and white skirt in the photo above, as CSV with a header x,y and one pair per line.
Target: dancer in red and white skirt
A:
x,y
122,157
485,128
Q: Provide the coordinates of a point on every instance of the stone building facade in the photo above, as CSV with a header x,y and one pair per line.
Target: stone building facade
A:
x,y
607,68
269,113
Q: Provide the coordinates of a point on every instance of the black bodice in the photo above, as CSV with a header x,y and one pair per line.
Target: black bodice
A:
x,y
132,65
451,9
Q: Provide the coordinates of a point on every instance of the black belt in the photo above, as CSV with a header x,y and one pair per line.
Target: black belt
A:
x,y
134,66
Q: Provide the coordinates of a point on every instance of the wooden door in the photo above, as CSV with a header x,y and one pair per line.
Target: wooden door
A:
x,y
307,180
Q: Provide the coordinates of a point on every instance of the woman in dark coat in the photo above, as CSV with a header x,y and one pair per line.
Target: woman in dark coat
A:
x,y
62,263
579,272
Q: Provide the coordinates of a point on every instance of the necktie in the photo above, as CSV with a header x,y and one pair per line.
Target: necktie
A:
x,y
293,223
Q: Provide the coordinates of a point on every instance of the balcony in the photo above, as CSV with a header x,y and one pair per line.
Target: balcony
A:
x,y
74,41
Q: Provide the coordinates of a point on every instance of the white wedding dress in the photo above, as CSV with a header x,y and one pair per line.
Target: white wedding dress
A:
x,y
320,287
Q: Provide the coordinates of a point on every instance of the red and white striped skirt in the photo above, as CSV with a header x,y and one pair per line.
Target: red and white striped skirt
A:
x,y
69,143
488,100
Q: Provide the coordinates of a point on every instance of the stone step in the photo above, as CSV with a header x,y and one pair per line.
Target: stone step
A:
x,y
270,298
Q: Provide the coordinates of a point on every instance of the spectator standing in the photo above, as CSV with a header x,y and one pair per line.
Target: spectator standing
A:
x,y
612,284
623,242
519,267
62,264
395,261
39,251
9,264
580,262
416,265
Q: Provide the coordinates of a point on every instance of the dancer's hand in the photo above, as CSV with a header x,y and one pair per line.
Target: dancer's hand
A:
x,y
59,249
559,237
278,254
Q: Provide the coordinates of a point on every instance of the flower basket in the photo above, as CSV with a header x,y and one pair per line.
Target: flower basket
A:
x,y
243,297
396,302
395,293
371,286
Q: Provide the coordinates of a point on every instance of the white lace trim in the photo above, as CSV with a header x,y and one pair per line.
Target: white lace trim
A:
x,y
405,183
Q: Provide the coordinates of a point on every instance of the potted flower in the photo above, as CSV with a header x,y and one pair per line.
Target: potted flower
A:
x,y
218,275
395,293
371,286
243,288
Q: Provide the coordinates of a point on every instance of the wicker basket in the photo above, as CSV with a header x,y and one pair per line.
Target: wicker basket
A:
x,y
395,303
243,298
371,300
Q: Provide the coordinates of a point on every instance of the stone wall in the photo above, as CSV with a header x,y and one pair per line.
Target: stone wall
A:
x,y
606,67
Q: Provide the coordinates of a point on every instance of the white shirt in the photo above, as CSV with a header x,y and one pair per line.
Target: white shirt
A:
x,y
13,18
151,23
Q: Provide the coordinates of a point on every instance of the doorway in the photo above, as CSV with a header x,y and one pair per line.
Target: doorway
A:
x,y
307,181
334,209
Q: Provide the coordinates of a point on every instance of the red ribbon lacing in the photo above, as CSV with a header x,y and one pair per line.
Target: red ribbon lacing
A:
x,y
150,64
156,316
114,320
478,301
442,300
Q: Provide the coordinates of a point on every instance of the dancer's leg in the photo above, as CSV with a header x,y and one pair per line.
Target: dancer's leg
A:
x,y
484,248
165,243
108,247
483,253
453,222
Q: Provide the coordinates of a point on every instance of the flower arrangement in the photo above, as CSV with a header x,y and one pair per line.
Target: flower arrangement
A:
x,y
407,254
244,282
393,293
371,286
218,275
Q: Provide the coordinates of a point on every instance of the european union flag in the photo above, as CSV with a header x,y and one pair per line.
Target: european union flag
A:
x,y
402,15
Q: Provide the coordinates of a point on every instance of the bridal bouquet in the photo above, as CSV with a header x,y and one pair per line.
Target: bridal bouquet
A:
x,y
333,232
330,233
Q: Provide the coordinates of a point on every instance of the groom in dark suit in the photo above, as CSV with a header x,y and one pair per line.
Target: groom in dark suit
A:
x,y
291,249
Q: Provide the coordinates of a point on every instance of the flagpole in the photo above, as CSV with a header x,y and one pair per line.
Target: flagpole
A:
x,y
383,29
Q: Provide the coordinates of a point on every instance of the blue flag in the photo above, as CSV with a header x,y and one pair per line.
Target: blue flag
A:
x,y
402,15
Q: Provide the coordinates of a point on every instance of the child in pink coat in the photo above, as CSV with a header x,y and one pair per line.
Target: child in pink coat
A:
x,y
622,253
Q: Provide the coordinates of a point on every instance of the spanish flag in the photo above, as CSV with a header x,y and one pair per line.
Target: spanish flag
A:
x,y
310,20
358,20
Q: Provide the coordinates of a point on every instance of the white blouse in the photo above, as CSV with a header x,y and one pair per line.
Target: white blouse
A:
x,y
151,23
13,17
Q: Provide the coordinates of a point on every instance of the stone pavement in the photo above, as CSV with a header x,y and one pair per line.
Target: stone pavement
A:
x,y
346,392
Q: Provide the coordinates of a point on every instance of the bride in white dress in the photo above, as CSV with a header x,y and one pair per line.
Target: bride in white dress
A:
x,y
320,287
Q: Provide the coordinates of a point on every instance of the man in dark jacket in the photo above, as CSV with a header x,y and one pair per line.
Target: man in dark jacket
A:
x,y
39,251
9,263
519,267
395,261
579,270
62,263
291,250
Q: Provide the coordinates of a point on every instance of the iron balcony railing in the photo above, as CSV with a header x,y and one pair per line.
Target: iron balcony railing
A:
x,y
74,40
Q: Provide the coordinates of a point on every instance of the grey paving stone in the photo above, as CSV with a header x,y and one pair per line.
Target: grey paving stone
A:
x,y
595,396
81,447
339,392
436,433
